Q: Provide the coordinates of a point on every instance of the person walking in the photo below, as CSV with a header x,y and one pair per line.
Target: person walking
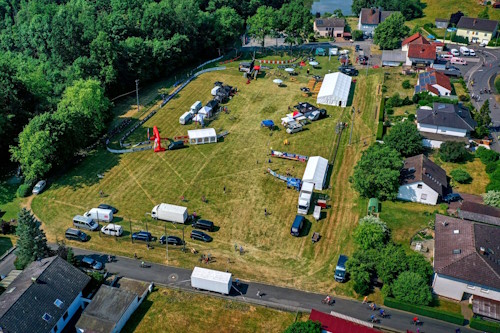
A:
x,y
259,294
241,250
235,247
135,255
365,300
265,211
224,189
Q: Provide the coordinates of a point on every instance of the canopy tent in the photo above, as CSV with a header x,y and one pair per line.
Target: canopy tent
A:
x,y
335,90
201,136
199,118
267,123
316,170
206,111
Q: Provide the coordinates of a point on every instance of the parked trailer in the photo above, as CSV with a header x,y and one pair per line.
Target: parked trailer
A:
x,y
171,213
291,182
289,156
211,280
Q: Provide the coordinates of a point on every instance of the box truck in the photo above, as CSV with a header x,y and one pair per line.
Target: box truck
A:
x,y
211,280
99,214
340,269
171,213
305,196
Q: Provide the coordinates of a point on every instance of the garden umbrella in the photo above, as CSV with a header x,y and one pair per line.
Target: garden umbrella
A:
x,y
278,81
289,70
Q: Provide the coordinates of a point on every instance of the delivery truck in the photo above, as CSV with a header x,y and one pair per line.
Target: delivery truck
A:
x,y
305,196
211,280
100,214
170,213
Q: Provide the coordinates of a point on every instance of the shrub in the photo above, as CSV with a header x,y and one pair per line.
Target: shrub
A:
x,y
380,130
485,326
304,327
23,190
425,311
460,39
492,198
453,151
411,117
461,176
357,34
382,107
406,84
463,98
486,155
410,287
491,167
389,111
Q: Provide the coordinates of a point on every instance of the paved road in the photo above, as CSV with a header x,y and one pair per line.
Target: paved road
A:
x,y
277,297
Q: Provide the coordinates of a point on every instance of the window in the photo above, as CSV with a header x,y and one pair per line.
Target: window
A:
x,y
46,317
486,291
485,34
456,231
457,251
65,315
58,303
471,287
423,196
55,329
419,186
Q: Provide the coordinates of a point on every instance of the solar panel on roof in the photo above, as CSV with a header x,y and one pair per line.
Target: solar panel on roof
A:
x,y
46,317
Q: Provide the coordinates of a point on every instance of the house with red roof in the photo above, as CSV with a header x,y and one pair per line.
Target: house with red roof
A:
x,y
420,54
333,324
416,38
435,83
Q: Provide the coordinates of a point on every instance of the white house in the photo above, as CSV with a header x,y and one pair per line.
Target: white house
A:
x,y
329,27
422,181
466,262
435,83
201,136
335,89
416,38
444,122
43,298
316,171
370,18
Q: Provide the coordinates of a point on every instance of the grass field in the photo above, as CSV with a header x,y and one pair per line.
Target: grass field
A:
x,y
394,80
206,314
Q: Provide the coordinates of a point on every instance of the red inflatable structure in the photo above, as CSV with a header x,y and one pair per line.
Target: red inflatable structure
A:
x,y
157,140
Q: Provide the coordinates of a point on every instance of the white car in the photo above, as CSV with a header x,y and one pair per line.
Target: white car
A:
x,y
294,129
112,230
39,187
455,52
483,44
472,53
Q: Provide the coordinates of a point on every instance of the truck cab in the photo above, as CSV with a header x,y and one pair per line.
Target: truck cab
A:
x,y
340,270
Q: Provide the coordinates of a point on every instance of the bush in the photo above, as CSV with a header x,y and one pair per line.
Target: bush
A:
x,y
492,198
463,98
412,288
491,167
382,107
461,176
411,117
425,311
23,190
460,39
357,34
380,130
304,327
485,326
486,155
406,84
453,151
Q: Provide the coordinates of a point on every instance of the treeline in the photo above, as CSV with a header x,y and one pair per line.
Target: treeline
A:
x,y
409,8
60,60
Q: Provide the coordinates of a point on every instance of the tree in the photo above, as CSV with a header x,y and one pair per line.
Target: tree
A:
x,y
70,256
304,327
483,120
406,84
453,151
377,172
405,138
417,263
262,23
492,198
484,13
411,288
391,263
338,13
461,176
228,25
296,20
31,243
357,34
486,155
388,34
370,235
415,29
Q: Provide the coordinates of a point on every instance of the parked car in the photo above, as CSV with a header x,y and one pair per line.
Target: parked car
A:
x,y
143,236
176,145
455,52
349,71
203,225
105,206
458,61
173,240
472,53
483,44
357,47
39,187
313,116
112,230
89,262
446,56
200,235
297,225
451,197
75,234
294,128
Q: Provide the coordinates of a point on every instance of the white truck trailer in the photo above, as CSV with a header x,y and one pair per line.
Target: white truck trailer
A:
x,y
305,196
211,280
99,214
170,213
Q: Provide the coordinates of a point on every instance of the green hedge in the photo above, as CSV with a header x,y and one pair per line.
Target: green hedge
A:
x,y
380,130
425,311
382,107
23,190
460,39
483,325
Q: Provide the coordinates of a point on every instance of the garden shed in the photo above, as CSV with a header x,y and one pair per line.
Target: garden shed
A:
x,y
316,171
201,136
335,89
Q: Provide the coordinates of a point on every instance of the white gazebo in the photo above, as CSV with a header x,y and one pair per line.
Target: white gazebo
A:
x,y
316,171
201,136
335,89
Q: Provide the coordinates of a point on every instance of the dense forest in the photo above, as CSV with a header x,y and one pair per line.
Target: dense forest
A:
x,y
61,60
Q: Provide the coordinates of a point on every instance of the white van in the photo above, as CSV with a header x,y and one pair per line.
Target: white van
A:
x,y
112,230
458,61
99,214
455,52
464,51
83,222
446,56
185,118
195,107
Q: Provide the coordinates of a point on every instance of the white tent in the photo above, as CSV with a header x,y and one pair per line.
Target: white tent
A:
x,y
316,170
335,89
206,111
199,118
201,136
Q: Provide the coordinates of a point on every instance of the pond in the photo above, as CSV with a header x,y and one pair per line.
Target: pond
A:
x,y
329,6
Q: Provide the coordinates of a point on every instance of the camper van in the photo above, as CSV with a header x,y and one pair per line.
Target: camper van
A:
x,y
99,214
185,118
83,222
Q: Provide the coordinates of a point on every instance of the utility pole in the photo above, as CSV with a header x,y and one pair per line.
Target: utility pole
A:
x,y
137,93
166,239
352,123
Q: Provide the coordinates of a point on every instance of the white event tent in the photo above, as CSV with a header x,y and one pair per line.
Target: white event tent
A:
x,y
316,170
335,89
201,136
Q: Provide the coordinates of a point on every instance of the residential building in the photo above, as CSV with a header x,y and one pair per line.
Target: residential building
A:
x,y
435,83
439,46
111,307
329,27
416,38
333,323
442,23
444,122
422,181
370,18
393,58
474,211
466,261
476,29
43,298
421,55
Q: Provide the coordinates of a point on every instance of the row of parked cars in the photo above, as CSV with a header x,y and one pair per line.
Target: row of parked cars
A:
x,y
146,236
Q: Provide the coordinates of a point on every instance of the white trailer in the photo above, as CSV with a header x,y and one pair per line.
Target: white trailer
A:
x,y
317,213
99,214
305,196
211,280
171,213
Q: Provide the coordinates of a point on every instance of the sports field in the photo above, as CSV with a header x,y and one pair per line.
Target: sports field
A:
x,y
135,182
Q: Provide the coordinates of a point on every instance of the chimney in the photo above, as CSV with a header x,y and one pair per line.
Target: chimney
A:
x,y
482,250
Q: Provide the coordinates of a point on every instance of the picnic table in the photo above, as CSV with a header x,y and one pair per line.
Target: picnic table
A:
x,y
315,237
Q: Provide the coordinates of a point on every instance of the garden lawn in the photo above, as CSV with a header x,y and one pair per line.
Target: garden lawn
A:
x,y
135,182
187,312
475,168
393,83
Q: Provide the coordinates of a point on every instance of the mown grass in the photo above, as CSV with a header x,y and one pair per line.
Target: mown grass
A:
x,y
394,80
134,183
186,312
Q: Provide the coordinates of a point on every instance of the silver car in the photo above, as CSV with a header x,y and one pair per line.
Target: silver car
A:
x,y
39,187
